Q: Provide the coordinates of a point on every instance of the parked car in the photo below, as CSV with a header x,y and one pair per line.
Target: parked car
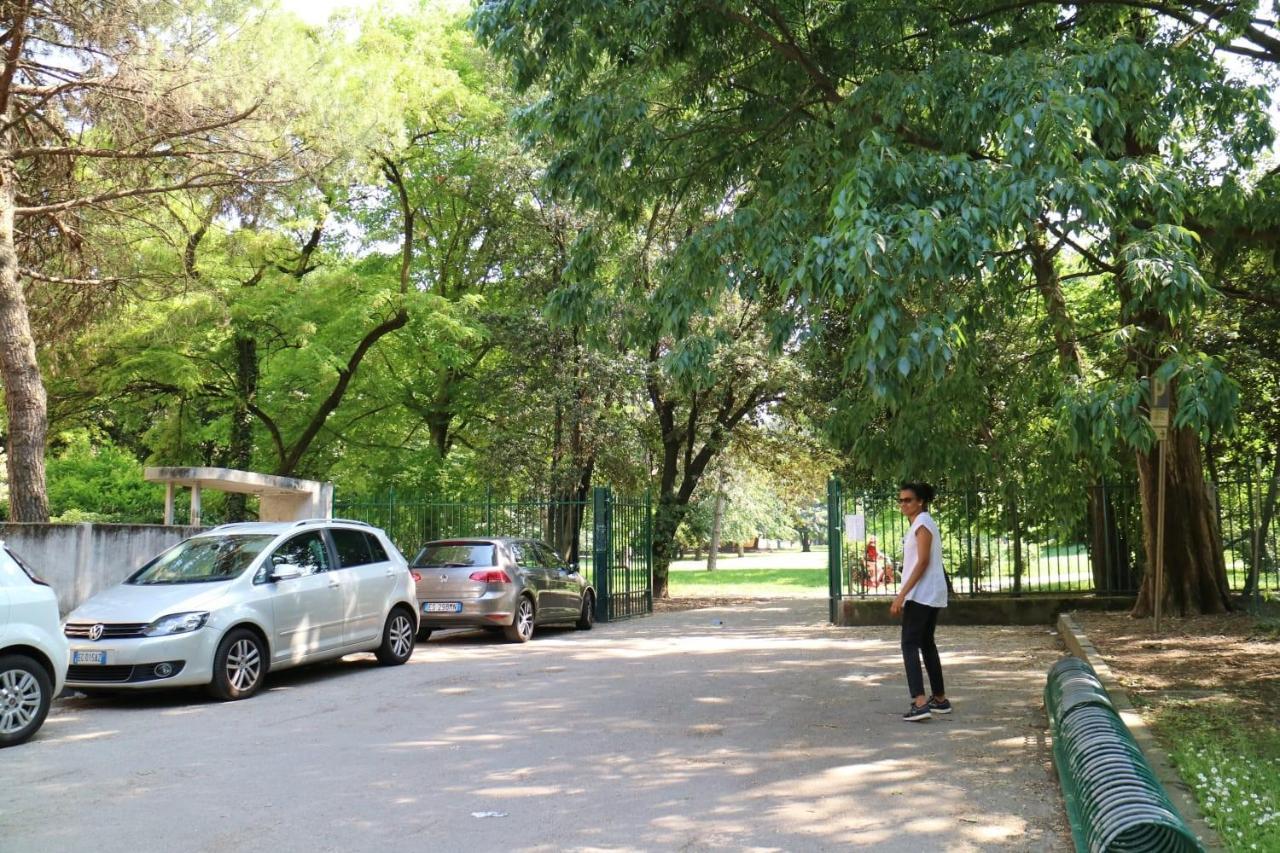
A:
x,y
33,653
227,606
507,584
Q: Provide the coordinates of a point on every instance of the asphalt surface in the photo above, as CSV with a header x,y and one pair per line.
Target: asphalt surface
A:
x,y
753,728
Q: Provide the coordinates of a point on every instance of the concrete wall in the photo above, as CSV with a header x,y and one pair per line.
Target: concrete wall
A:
x,y
79,560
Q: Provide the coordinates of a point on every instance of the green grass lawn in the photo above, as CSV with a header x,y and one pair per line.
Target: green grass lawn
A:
x,y
1234,767
750,583
768,574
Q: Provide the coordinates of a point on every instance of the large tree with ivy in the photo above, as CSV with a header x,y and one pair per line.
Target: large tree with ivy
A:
x,y
911,171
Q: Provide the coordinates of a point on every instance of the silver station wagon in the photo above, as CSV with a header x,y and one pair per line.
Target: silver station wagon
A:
x,y
226,606
503,584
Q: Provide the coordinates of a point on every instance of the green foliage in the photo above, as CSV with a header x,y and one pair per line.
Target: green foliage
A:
x,y
895,241
980,230
100,482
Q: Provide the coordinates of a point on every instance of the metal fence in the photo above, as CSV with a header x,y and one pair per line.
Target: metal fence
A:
x,y
993,544
609,537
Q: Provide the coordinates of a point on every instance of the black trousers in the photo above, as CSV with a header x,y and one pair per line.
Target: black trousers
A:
x,y
918,624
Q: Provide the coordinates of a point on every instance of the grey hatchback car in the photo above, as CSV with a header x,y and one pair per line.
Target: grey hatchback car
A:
x,y
502,584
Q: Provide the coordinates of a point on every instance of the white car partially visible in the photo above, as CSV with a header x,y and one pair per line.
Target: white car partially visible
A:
x,y
33,652
226,606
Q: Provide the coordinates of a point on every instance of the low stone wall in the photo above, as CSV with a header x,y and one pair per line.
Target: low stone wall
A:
x,y
79,560
992,610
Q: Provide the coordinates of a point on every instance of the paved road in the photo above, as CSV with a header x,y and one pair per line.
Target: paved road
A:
x,y
773,731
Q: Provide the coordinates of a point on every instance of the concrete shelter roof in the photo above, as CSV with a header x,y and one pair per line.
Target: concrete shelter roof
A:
x,y
231,480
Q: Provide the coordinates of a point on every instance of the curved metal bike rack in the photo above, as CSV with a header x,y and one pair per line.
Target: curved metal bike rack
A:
x,y
1114,802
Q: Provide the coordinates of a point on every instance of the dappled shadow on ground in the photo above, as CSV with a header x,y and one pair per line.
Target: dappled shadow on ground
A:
x,y
1227,656
759,732
758,727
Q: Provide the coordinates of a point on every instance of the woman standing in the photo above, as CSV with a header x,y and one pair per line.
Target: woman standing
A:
x,y
923,594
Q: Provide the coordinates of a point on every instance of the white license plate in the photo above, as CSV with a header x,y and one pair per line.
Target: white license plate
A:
x,y
89,657
442,607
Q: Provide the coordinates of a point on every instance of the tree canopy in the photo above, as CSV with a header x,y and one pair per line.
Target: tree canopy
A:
x,y
542,246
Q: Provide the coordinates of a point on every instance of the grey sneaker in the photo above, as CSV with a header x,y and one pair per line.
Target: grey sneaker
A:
x,y
916,713
935,707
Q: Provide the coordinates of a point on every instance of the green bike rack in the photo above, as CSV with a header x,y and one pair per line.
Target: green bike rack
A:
x,y
1114,802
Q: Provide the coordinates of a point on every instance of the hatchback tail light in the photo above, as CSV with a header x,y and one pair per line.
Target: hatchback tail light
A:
x,y
491,576
416,576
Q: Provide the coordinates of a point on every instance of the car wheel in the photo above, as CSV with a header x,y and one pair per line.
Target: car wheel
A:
x,y
587,616
397,638
239,667
424,634
521,628
25,694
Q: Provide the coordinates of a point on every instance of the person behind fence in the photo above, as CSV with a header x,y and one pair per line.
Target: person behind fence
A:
x,y
923,595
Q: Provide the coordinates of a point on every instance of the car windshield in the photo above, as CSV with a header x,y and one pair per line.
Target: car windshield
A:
x,y
456,554
204,559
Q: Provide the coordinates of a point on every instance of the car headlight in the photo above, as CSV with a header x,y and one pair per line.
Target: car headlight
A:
x,y
176,623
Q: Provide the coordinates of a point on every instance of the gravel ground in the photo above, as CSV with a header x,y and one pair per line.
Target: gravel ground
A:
x,y
752,727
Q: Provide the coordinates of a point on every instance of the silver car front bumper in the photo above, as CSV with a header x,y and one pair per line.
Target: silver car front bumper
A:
x,y
130,663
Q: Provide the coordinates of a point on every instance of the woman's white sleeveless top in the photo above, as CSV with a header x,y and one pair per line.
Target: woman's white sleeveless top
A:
x,y
932,588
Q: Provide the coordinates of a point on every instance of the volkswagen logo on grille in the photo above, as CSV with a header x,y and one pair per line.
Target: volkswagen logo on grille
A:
x,y
95,633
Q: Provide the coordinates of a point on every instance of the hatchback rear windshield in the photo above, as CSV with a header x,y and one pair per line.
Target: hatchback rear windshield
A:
x,y
203,560
456,554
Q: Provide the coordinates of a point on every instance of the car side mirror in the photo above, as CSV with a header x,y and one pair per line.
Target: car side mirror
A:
x,y
284,573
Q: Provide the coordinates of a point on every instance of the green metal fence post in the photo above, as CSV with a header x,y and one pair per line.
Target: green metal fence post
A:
x,y
601,548
835,547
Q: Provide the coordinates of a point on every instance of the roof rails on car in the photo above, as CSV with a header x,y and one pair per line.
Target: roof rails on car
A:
x,y
332,520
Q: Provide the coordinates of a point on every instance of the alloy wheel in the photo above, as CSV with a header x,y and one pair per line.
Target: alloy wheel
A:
x,y
19,700
244,665
524,618
401,635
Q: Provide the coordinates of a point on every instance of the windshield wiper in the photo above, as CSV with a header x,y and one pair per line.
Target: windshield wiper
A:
x,y
454,565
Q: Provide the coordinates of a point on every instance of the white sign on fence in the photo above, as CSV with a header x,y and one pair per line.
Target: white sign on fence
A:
x,y
855,527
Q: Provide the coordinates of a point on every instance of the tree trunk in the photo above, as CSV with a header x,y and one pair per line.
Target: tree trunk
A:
x,y
240,451
566,511
1112,571
24,394
666,520
804,539
1109,551
1259,558
1195,575
1018,565
717,517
